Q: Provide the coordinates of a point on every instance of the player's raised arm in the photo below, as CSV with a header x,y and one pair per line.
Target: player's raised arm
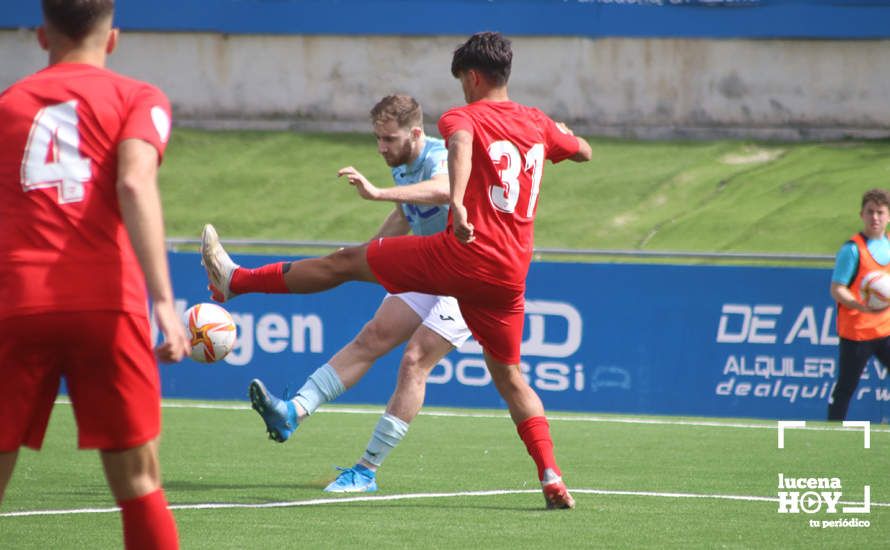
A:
x,y
140,205
433,191
585,153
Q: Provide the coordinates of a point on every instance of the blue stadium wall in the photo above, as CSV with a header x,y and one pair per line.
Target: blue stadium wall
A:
x,y
618,338
591,18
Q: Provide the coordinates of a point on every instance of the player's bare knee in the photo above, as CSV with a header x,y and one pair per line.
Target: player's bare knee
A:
x,y
423,351
412,358
376,337
348,263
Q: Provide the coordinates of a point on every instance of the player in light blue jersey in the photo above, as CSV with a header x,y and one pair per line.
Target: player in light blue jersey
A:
x,y
432,325
433,161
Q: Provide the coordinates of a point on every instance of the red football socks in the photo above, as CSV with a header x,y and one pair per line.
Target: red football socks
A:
x,y
535,433
148,524
268,279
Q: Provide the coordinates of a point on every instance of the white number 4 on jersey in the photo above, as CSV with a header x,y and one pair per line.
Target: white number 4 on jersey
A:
x,y
52,157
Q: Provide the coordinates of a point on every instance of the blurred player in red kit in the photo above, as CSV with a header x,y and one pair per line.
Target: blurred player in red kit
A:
x,y
496,154
81,250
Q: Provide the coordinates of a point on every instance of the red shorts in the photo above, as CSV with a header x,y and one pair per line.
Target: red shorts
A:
x,y
493,313
109,367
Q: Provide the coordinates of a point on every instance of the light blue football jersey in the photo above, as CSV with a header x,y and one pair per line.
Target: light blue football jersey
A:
x,y
433,160
847,259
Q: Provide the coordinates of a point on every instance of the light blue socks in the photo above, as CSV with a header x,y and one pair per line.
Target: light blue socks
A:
x,y
387,434
322,386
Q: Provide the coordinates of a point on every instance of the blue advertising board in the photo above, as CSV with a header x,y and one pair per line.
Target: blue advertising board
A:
x,y
594,18
754,342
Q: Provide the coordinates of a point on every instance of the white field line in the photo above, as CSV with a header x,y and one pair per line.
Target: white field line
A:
x,y
412,496
322,501
580,418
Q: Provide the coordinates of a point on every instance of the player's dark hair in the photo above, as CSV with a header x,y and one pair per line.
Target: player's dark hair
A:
x,y
76,18
402,108
880,197
489,53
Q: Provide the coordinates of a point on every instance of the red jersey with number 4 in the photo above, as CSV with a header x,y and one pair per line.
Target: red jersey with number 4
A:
x,y
510,143
63,244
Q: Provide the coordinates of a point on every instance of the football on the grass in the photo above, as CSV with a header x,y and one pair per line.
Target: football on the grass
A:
x,y
212,332
875,289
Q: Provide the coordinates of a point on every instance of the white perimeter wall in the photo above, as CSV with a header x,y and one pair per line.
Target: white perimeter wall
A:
x,y
650,88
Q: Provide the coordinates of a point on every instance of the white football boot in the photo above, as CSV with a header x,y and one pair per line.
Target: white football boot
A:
x,y
218,264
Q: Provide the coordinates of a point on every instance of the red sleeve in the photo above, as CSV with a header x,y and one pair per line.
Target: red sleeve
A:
x,y
560,145
148,118
452,121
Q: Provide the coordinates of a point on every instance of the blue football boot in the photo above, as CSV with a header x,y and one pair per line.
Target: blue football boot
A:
x,y
357,479
279,415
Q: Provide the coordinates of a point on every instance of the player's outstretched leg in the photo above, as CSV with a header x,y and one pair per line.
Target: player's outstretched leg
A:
x,y
218,264
306,276
357,479
279,415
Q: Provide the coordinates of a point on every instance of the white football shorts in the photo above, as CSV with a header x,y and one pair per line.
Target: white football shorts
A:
x,y
441,314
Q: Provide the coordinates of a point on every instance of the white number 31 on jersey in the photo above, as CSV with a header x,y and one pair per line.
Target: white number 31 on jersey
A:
x,y
505,197
52,156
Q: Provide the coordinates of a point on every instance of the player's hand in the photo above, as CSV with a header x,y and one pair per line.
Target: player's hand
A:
x,y
176,344
463,229
365,188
